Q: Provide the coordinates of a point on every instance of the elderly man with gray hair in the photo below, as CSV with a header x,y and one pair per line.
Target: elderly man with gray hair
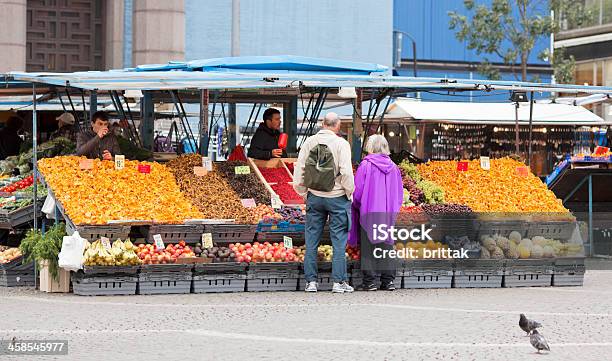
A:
x,y
323,175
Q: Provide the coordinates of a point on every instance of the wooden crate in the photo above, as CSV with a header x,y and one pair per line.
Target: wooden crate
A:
x,y
48,284
272,163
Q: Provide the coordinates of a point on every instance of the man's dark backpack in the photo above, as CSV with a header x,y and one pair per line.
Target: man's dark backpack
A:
x,y
320,169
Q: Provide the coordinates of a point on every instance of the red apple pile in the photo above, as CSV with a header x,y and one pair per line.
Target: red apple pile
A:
x,y
353,253
149,254
264,252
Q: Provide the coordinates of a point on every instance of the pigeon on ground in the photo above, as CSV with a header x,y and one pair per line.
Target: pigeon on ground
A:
x,y
538,341
528,325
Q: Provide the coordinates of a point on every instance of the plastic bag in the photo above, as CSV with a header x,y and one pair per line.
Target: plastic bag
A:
x,y
48,207
71,255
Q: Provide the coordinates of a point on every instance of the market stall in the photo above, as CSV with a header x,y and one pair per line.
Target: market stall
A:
x,y
233,226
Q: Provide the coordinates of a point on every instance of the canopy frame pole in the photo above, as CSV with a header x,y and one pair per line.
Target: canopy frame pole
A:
x,y
530,129
120,112
204,103
74,112
93,103
242,139
84,108
516,129
133,124
305,116
35,165
180,103
357,126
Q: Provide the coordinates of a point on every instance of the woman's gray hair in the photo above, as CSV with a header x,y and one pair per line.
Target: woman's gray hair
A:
x,y
377,144
331,120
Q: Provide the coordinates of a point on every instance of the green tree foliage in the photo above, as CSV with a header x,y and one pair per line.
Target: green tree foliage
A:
x,y
508,30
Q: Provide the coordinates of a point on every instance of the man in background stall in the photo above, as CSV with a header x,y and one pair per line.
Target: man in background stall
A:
x,y
10,141
98,141
264,144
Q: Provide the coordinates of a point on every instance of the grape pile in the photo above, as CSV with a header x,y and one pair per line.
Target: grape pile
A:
x,y
448,209
292,214
416,195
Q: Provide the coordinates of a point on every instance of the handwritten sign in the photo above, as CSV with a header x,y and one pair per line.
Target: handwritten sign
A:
x,y
119,161
159,242
86,164
144,168
276,202
242,169
200,171
485,163
287,242
462,166
248,203
522,171
106,243
207,163
207,240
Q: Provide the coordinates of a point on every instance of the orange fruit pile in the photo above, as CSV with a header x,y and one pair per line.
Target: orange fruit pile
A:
x,y
500,189
103,193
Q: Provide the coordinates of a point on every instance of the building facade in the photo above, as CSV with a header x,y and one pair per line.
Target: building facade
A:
x,y
591,45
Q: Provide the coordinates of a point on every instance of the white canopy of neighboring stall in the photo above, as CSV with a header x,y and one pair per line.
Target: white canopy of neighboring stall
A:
x,y
491,113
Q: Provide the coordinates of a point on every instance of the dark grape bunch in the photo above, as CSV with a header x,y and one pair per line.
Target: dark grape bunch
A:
x,y
416,194
446,209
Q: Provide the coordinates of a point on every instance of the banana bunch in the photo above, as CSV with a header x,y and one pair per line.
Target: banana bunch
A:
x,y
120,254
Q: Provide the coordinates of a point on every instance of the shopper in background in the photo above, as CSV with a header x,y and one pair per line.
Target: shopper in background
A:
x,y
10,141
323,175
377,200
264,144
65,127
98,141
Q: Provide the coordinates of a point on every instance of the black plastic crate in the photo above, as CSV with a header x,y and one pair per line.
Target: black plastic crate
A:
x,y
163,268
528,273
219,283
156,283
107,285
569,272
478,273
16,273
560,230
272,237
274,276
220,268
93,233
18,217
231,232
427,274
501,228
173,233
111,270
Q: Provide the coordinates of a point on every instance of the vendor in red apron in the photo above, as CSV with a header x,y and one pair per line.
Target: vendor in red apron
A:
x,y
98,141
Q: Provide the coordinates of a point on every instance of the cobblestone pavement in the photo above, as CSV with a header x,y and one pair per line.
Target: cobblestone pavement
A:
x,y
451,324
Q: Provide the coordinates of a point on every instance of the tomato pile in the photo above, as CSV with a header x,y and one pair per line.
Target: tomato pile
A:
x,y
149,254
17,186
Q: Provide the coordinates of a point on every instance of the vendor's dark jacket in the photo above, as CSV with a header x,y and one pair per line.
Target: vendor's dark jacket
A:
x,y
67,131
91,146
264,141
10,143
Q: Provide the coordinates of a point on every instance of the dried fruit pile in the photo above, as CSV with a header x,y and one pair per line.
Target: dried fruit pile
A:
x,y
211,193
500,189
103,193
286,193
280,181
275,175
245,185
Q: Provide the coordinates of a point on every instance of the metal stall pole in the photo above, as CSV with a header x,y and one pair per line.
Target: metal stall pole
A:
x,y
357,126
35,165
530,129
290,124
516,129
146,124
93,103
204,101
591,215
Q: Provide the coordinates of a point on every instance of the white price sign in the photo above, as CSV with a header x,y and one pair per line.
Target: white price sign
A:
x,y
207,163
159,242
207,240
288,242
485,163
119,161
276,202
105,242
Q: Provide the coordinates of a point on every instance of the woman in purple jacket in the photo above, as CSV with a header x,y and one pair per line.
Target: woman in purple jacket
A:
x,y
377,200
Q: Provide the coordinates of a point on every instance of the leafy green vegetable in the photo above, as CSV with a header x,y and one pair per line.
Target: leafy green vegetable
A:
x,y
44,247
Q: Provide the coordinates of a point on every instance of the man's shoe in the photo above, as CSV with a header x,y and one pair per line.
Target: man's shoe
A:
x,y
387,286
367,287
311,287
342,288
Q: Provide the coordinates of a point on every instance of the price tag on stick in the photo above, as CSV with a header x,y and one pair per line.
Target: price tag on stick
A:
x,y
159,242
462,166
86,164
248,203
485,163
207,240
119,161
288,242
276,202
207,163
522,171
144,168
105,242
200,171
242,169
